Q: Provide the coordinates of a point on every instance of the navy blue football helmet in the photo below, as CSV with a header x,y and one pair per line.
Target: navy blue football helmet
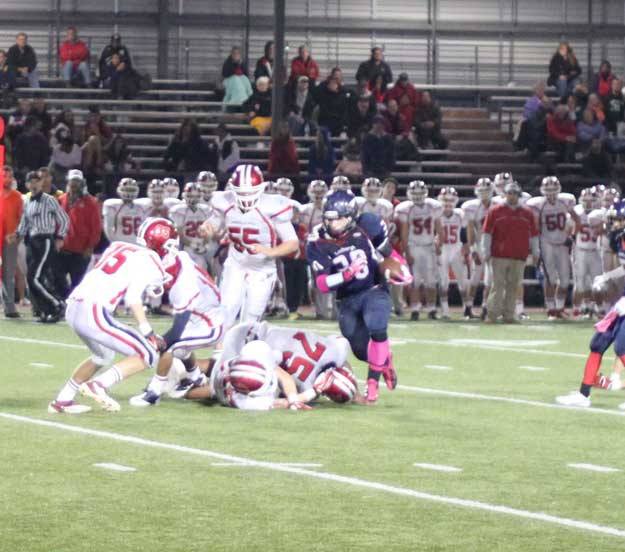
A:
x,y
616,215
339,205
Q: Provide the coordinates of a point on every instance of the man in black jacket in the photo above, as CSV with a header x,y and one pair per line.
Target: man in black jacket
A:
x,y
106,59
375,66
332,108
22,61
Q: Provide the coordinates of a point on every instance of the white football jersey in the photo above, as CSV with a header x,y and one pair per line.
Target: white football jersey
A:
x,y
382,207
265,224
590,226
475,212
421,219
171,202
452,225
188,221
552,217
311,215
150,211
122,219
124,271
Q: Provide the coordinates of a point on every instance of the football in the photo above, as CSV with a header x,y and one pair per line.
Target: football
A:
x,y
390,267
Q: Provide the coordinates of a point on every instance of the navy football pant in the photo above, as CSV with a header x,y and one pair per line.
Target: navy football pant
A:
x,y
601,342
365,316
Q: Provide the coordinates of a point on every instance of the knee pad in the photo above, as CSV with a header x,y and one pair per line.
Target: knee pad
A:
x,y
181,353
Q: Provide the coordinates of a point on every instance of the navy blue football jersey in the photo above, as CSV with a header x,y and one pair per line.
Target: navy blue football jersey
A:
x,y
327,255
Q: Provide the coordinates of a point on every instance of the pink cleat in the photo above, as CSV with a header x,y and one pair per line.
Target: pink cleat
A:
x,y
390,375
372,390
67,407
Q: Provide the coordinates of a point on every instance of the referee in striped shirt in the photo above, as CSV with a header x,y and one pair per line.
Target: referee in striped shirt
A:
x,y
44,225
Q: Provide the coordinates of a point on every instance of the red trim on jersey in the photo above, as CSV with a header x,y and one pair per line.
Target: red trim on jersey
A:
x,y
228,209
208,280
203,317
272,230
119,338
189,302
287,208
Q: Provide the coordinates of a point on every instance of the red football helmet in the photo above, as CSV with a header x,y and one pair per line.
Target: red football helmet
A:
x,y
343,387
158,234
248,184
253,372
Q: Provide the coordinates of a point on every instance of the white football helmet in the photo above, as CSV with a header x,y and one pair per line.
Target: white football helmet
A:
x,y
588,198
208,183
317,190
156,192
610,196
271,187
550,187
448,196
372,189
128,189
285,187
172,188
192,194
253,372
500,182
341,183
484,189
248,185
417,191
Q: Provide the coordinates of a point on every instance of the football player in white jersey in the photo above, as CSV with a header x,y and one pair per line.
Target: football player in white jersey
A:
x,y
255,224
311,215
188,216
420,230
208,184
609,261
452,250
586,255
154,204
197,324
552,210
172,192
125,272
475,212
341,183
123,216
372,201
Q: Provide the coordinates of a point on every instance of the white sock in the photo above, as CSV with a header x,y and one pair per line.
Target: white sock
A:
x,y
195,373
157,383
584,305
550,304
109,378
559,303
68,392
445,306
518,308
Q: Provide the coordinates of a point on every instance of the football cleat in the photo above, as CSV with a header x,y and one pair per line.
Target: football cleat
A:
x,y
372,390
96,392
468,313
67,407
575,398
147,398
484,313
390,375
433,315
414,316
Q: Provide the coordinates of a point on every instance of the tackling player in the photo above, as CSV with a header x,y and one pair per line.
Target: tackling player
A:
x,y
344,254
125,272
123,216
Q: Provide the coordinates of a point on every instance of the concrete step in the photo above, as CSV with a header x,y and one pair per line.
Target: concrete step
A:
x,y
465,113
480,146
502,157
470,124
477,134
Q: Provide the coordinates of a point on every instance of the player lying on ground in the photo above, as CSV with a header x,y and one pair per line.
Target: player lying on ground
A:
x,y
128,272
346,253
610,330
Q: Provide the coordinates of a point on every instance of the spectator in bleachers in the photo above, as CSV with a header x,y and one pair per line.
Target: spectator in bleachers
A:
x,y
574,109
66,155
389,190
589,129
333,107
304,65
300,106
615,106
106,67
375,66
378,150
428,121
74,57
602,81
562,134
361,89
64,122
596,105
407,97
96,138
39,112
31,149
321,156
360,117
18,118
377,89
394,122
283,155
258,106
228,155
351,164
124,80
237,86
564,70
533,104
7,78
22,60
264,66
186,151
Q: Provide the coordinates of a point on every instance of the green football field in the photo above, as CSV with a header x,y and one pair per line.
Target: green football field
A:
x,y
475,401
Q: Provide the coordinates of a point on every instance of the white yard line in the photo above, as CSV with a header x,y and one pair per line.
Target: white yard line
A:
x,y
437,467
41,342
533,368
335,478
115,467
594,468
437,367
247,464
41,365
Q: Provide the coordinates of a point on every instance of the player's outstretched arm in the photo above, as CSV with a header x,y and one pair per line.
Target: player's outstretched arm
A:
x,y
287,384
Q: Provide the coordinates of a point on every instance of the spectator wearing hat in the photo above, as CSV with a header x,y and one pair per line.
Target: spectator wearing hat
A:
x,y
236,82
304,66
22,60
510,234
378,150
85,227
406,96
106,67
375,66
428,121
74,57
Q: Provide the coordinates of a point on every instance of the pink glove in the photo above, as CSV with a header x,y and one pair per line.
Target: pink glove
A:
x,y
357,265
405,278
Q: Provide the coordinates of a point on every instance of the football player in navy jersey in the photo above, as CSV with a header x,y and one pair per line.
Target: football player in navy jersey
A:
x,y
344,252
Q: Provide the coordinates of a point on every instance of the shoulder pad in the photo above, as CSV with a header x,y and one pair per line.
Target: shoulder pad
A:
x,y
222,200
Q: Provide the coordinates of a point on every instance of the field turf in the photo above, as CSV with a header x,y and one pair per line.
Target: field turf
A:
x,y
472,397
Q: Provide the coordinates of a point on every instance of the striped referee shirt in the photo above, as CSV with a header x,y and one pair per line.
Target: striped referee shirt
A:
x,y
43,215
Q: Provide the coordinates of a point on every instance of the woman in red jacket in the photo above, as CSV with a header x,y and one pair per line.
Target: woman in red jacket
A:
x,y
283,155
304,65
74,56
562,133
